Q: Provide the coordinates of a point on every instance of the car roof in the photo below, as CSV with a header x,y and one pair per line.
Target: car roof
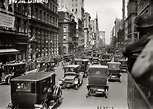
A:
x,y
35,76
71,66
98,66
113,63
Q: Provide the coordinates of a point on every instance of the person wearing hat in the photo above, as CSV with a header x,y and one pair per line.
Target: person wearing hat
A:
x,y
144,24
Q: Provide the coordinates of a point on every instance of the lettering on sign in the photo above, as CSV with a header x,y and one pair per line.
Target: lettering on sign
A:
x,y
7,20
30,1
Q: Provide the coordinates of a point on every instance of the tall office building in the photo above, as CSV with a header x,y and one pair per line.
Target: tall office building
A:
x,y
102,38
43,29
77,8
131,14
13,31
67,32
95,31
87,30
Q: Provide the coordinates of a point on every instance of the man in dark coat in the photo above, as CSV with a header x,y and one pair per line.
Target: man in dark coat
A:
x,y
144,24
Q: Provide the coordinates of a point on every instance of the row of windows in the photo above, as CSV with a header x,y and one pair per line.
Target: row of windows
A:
x,y
45,38
52,6
41,32
7,43
21,8
74,10
69,29
45,16
21,25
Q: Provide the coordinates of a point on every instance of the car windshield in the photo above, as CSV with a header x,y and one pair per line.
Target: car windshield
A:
x,y
69,69
69,76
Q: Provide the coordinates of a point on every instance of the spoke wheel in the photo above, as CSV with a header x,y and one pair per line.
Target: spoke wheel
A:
x,y
76,87
106,93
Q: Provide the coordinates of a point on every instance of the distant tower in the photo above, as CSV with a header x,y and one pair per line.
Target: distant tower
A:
x,y
97,22
97,30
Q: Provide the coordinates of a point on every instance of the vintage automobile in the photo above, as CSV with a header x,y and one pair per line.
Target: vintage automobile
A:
x,y
68,57
104,61
97,80
88,57
84,63
12,70
114,69
106,56
117,57
35,90
72,77
45,66
123,65
95,60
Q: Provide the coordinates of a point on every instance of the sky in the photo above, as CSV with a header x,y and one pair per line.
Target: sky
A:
x,y
107,10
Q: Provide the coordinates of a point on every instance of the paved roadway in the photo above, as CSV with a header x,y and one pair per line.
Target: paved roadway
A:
x,y
76,99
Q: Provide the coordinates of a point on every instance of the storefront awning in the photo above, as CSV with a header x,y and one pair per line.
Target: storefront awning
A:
x,y
8,51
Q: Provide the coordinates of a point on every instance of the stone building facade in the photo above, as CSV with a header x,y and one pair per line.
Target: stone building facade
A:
x,y
67,33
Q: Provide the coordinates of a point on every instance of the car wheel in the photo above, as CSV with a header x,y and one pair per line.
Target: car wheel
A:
x,y
87,96
82,81
44,106
10,106
106,93
76,87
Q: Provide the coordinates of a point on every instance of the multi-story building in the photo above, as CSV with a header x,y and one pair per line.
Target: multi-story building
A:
x,y
144,6
31,29
43,29
131,15
95,31
87,31
67,32
112,37
13,31
102,38
77,8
